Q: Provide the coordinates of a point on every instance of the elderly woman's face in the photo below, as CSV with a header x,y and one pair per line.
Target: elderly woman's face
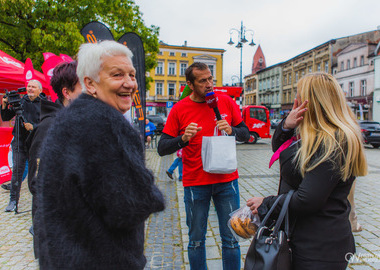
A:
x,y
117,82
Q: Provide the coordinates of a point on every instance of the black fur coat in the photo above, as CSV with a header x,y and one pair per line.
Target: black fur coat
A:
x,y
94,191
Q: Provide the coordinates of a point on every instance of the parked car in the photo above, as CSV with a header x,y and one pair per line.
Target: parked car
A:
x,y
158,121
371,132
274,123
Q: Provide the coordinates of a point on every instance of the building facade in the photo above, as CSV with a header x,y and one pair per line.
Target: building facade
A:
x,y
376,92
169,74
270,89
355,74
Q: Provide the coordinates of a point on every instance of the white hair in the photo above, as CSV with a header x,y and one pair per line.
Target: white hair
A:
x,y
37,82
90,58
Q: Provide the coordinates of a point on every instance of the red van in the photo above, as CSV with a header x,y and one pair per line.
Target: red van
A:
x,y
257,120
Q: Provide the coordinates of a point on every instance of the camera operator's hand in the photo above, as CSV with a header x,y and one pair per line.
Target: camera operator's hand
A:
x,y
28,126
4,103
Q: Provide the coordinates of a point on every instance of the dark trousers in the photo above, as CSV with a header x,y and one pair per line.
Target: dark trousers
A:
x,y
19,157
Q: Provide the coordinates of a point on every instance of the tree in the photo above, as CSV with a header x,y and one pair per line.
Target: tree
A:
x,y
30,27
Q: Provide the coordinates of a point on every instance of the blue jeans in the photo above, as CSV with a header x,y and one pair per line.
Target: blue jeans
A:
x,y
176,162
197,203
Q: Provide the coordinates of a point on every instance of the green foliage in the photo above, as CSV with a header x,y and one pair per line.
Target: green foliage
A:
x,y
29,28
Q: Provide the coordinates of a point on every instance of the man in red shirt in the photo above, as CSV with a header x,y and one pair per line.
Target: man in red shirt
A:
x,y
188,121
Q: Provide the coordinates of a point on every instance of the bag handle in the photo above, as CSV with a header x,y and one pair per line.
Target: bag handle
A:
x,y
271,210
284,211
216,132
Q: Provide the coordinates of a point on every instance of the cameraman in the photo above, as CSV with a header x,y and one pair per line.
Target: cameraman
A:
x,y
28,120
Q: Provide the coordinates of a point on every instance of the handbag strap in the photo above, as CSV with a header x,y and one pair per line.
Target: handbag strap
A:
x,y
271,210
283,213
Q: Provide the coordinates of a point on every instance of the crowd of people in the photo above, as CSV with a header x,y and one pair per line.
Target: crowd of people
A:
x,y
92,191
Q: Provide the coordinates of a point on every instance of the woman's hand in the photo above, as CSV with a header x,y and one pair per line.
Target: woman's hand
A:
x,y
295,116
254,203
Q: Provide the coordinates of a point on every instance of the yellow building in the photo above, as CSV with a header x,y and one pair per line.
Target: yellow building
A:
x,y
169,75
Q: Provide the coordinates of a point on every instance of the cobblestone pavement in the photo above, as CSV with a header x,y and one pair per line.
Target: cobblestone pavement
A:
x,y
166,232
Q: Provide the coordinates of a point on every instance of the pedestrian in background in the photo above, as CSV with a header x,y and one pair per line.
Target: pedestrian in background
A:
x,y
176,163
149,131
30,104
189,120
321,167
94,191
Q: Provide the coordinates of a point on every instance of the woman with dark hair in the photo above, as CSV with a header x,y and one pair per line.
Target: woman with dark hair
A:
x,y
65,84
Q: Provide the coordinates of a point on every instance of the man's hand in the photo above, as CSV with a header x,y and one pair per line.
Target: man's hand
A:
x,y
28,126
190,131
4,103
223,125
254,203
296,115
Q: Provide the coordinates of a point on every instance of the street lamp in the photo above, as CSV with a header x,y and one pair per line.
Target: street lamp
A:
x,y
241,40
234,77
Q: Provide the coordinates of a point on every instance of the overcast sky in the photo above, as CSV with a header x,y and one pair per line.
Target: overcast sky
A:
x,y
283,28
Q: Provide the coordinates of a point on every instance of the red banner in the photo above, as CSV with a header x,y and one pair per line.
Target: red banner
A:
x,y
28,71
48,67
5,142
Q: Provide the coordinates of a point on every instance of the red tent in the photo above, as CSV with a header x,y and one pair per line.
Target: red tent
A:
x,y
12,74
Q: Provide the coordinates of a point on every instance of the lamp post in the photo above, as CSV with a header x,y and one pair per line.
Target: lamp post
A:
x,y
234,77
241,40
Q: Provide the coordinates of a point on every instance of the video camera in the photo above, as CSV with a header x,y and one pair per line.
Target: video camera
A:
x,y
14,99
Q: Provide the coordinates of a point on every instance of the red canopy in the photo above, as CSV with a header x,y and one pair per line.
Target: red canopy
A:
x,y
12,74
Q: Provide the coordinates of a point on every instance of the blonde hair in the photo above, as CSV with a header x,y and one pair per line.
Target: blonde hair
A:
x,y
329,127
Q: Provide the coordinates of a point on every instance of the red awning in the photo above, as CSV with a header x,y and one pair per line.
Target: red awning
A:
x,y
12,74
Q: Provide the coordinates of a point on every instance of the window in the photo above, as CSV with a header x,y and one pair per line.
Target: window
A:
x,y
355,62
351,89
341,66
172,53
278,81
211,67
160,68
171,70
184,54
363,87
319,67
273,82
159,88
327,67
290,78
183,68
348,64
171,89
285,80
160,53
310,69
296,76
362,60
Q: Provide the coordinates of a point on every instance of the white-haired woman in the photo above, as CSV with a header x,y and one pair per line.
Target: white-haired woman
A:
x,y
321,167
95,192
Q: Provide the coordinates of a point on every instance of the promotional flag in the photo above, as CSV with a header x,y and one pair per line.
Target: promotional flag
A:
x,y
28,71
48,67
94,32
5,142
135,44
65,58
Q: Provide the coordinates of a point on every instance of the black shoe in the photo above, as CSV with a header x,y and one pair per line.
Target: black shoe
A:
x,y
6,186
12,206
169,174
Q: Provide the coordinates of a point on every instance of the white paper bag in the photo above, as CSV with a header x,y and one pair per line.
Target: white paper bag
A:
x,y
219,154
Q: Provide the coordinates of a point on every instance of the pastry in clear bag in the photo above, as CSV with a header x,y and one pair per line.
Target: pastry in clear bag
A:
x,y
243,224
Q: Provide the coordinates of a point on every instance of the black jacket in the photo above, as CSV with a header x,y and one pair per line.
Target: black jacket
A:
x,y
319,208
30,112
48,112
94,191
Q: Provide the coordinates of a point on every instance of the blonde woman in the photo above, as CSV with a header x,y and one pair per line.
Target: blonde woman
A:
x,y
320,165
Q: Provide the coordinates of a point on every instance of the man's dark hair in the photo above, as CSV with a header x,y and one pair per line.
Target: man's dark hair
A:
x,y
64,75
189,71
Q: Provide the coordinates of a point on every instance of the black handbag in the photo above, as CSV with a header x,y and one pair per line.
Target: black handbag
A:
x,y
269,249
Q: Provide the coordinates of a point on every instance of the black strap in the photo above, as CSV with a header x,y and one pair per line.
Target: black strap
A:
x,y
284,211
270,211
